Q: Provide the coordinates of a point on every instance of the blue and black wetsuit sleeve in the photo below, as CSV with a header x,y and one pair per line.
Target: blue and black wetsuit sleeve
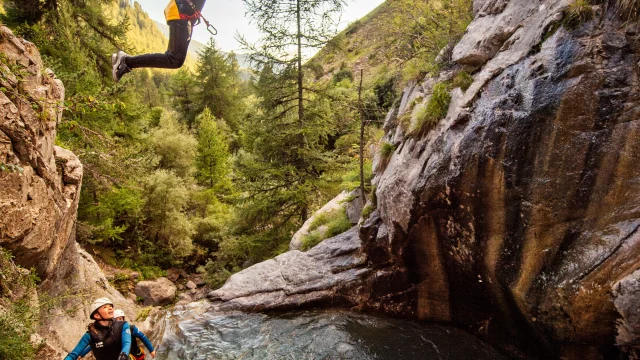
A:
x,y
136,333
126,339
86,351
80,348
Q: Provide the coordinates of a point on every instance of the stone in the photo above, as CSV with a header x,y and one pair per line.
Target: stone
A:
x,y
336,203
355,206
173,274
132,297
191,285
626,294
159,292
295,278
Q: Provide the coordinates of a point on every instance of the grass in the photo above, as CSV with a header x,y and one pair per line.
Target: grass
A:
x,y
462,80
387,150
19,318
336,222
577,13
435,110
628,9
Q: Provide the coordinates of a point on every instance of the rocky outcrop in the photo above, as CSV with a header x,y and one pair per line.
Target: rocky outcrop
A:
x,y
519,212
350,202
328,274
39,193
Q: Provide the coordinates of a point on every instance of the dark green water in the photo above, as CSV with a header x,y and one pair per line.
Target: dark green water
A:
x,y
313,335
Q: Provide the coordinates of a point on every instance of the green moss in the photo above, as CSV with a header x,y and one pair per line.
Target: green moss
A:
x,y
435,110
462,80
336,222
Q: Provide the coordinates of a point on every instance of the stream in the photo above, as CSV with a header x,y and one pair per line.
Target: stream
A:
x,y
197,334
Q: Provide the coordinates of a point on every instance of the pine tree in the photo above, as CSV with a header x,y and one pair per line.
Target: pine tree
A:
x,y
212,160
218,82
183,87
288,136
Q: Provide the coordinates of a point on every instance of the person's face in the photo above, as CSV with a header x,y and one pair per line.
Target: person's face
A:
x,y
119,318
105,312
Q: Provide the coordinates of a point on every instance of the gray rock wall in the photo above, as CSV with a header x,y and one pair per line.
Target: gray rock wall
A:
x,y
519,213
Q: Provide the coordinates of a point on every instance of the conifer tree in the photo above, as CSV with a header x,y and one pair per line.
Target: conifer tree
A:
x,y
287,137
212,160
218,85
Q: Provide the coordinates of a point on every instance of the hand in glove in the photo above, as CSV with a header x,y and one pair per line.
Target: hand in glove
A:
x,y
123,356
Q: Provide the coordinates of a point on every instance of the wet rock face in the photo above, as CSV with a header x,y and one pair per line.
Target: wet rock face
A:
x,y
39,192
520,212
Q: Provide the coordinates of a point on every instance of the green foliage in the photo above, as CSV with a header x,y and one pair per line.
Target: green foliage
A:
x,y
336,222
212,159
19,315
149,272
168,224
175,148
218,87
387,150
351,179
577,13
435,110
343,74
462,80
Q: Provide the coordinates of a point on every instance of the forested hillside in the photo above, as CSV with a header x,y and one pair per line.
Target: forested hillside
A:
x,y
200,169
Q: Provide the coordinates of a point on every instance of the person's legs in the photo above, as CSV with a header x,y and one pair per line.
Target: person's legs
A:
x,y
174,57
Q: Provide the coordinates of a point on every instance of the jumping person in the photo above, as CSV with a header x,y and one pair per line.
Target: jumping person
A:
x,y
181,15
136,352
108,339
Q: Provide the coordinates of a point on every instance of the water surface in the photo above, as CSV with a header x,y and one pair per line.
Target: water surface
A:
x,y
313,335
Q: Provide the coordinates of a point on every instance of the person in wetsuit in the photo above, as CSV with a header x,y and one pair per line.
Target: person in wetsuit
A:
x,y
136,352
181,16
108,339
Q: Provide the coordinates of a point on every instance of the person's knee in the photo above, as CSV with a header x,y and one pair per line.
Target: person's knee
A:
x,y
176,60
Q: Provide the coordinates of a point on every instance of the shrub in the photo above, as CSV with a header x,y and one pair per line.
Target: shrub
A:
x,y
577,13
18,319
387,150
435,110
342,74
462,80
149,272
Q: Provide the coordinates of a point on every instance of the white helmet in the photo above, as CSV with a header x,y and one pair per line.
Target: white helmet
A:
x,y
118,313
98,304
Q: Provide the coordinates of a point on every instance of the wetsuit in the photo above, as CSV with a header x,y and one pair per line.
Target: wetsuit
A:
x,y
135,349
106,342
180,17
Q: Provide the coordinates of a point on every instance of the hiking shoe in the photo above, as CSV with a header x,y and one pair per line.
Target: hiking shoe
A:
x,y
119,66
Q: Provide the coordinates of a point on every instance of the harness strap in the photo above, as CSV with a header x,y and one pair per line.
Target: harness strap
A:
x,y
198,15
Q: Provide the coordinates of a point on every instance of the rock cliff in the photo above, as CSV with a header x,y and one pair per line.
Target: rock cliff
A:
x,y
39,193
517,216
519,212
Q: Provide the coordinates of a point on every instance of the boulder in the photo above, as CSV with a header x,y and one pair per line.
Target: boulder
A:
x,y
191,285
159,292
324,274
355,206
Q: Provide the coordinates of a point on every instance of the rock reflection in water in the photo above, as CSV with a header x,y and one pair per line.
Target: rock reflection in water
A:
x,y
315,335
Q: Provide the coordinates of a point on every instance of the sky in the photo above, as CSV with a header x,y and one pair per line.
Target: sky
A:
x,y
228,16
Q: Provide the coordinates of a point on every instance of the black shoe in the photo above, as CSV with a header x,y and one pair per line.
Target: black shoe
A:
x,y
119,66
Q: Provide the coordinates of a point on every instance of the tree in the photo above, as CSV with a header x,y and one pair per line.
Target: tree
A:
x,y
183,87
218,83
212,159
287,25
289,135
